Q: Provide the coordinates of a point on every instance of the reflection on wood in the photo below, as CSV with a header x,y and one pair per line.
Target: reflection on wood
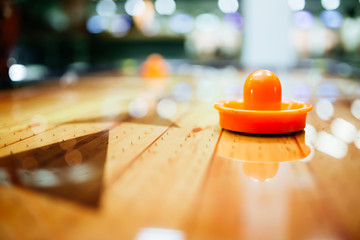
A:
x,y
261,154
260,171
71,169
263,148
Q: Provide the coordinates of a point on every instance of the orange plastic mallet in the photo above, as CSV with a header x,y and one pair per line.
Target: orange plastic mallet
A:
x,y
262,111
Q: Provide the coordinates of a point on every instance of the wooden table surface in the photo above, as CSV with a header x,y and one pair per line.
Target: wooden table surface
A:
x,y
112,157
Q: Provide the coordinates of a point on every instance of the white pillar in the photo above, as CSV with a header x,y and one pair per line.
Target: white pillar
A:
x,y
267,35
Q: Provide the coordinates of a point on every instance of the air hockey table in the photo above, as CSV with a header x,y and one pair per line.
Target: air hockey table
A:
x,y
115,157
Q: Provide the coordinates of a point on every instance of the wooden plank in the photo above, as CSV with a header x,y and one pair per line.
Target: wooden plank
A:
x,y
183,173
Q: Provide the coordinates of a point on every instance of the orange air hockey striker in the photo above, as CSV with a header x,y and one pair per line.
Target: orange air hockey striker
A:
x,y
154,67
262,111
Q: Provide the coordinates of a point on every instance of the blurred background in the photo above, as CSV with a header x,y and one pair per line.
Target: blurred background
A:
x,y
51,39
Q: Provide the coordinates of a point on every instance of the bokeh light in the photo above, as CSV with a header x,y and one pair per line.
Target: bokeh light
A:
x,y
166,108
80,173
4,177
151,28
207,22
70,77
234,91
355,108
17,72
120,25
331,19
181,23
303,19
324,109
328,91
182,92
106,8
206,91
343,130
260,172
57,19
138,107
159,234
165,7
229,42
234,19
129,67
73,157
310,134
343,69
36,71
135,7
330,4
146,21
331,145
228,6
301,91
296,5
350,32
97,24
357,140
111,107
39,178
